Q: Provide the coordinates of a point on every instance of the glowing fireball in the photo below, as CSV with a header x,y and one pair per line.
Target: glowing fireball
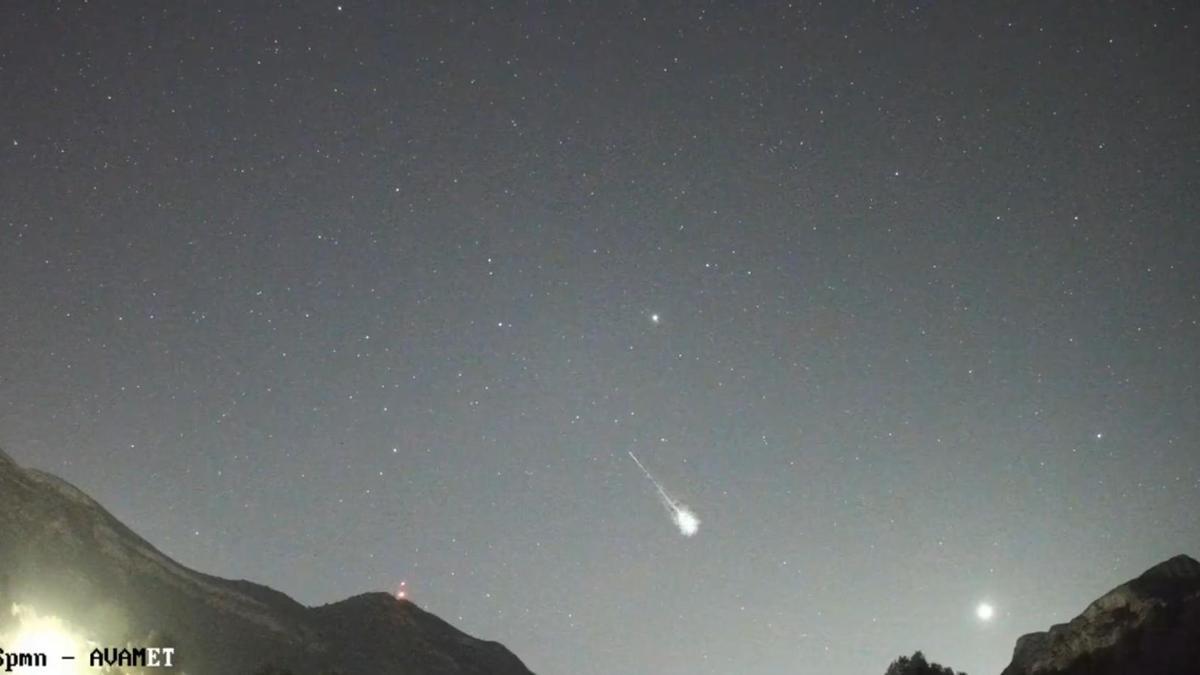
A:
x,y
686,521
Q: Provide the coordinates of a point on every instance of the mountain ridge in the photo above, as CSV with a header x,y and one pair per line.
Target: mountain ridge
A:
x,y
63,554
1148,625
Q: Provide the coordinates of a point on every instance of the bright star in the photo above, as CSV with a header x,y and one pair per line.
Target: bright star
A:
x,y
654,318
985,611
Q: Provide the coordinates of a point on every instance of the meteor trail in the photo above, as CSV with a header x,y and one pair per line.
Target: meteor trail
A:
x,y
685,520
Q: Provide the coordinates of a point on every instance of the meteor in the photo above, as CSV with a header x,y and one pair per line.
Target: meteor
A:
x,y
684,518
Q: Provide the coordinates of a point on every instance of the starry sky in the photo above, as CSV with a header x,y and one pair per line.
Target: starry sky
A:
x,y
901,298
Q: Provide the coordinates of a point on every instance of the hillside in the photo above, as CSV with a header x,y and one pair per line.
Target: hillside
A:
x,y
63,555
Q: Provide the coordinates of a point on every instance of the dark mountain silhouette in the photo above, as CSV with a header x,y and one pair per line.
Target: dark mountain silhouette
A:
x,y
62,554
1147,626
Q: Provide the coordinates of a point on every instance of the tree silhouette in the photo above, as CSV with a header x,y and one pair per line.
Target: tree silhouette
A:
x,y
918,665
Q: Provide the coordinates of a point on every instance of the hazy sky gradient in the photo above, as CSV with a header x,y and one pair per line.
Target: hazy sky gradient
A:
x,y
331,297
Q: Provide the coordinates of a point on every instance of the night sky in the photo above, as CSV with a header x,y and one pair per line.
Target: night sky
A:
x,y
901,298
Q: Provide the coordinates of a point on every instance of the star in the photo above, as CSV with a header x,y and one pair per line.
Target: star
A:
x,y
984,611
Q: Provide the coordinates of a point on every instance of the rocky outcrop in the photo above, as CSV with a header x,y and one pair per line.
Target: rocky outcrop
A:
x,y
1148,626
62,554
